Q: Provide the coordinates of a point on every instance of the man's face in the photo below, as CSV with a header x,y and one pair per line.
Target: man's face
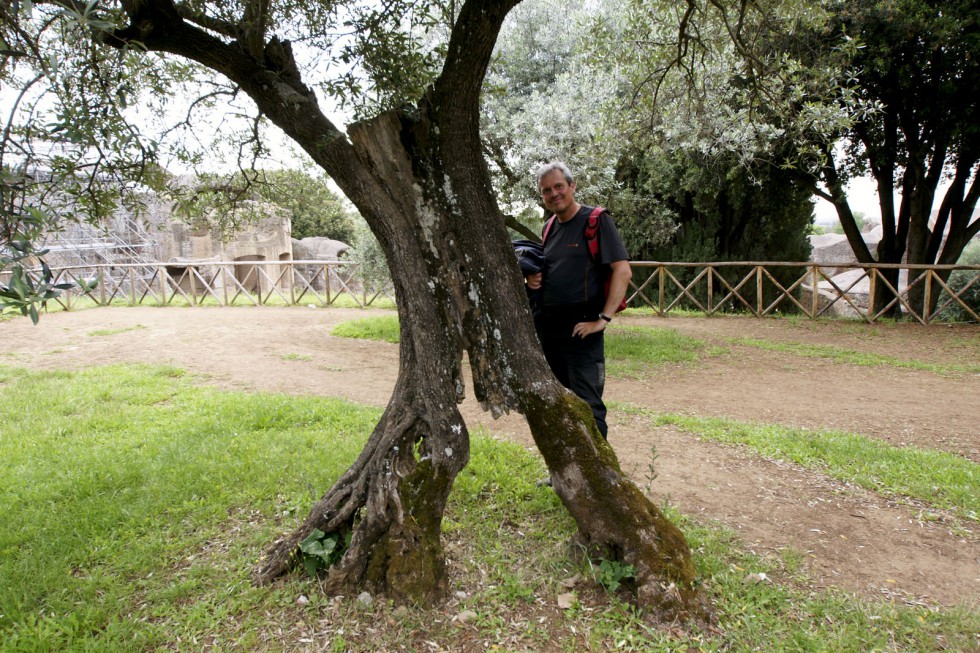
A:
x,y
557,193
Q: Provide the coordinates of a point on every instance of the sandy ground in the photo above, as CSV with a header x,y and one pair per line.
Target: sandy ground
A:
x,y
848,537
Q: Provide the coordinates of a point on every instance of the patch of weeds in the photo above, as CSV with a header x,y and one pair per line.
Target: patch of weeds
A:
x,y
793,560
320,550
634,350
112,332
514,588
296,357
384,328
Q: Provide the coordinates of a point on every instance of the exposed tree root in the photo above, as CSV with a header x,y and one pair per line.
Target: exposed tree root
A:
x,y
391,500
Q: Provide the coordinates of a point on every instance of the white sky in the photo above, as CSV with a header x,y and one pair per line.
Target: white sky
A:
x,y
862,193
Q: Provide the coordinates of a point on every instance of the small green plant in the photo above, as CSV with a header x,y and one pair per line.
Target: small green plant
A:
x,y
651,473
611,574
320,550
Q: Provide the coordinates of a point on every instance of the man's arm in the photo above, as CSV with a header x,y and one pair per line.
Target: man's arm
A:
x,y
619,283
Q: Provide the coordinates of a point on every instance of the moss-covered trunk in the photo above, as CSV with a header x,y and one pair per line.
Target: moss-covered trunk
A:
x,y
615,520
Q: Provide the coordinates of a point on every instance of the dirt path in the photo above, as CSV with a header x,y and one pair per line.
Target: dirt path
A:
x,y
846,537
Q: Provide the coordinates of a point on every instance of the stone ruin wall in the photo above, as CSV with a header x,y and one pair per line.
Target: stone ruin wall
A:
x,y
252,248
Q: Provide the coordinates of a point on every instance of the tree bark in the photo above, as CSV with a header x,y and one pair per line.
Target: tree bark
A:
x,y
418,177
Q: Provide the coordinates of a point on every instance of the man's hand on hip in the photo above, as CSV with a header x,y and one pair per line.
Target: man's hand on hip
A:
x,y
583,329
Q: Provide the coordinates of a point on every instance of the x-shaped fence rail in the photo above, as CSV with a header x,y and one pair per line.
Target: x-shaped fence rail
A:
x,y
924,293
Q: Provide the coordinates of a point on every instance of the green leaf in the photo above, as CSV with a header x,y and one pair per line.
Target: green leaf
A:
x,y
311,564
311,540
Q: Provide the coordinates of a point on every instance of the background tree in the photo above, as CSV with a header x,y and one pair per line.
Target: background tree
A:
x,y
62,157
314,209
542,101
862,86
920,64
719,210
684,184
704,156
413,167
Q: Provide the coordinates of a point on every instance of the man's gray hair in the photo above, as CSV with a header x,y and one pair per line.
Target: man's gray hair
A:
x,y
560,166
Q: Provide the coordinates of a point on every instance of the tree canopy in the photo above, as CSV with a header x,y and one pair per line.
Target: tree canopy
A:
x,y
314,209
920,65
830,90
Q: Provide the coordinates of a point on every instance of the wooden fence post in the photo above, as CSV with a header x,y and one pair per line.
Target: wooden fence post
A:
x,y
758,291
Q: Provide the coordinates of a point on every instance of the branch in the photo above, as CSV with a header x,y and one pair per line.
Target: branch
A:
x,y
823,194
273,82
521,228
470,49
192,14
844,214
254,26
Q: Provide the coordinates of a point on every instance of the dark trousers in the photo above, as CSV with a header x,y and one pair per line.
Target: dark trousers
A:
x,y
579,364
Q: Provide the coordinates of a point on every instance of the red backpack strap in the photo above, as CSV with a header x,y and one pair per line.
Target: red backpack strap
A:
x,y
592,232
547,228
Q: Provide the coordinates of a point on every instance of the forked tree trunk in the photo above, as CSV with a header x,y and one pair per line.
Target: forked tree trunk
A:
x,y
458,289
419,179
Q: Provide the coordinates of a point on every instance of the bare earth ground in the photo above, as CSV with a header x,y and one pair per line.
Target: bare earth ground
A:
x,y
849,538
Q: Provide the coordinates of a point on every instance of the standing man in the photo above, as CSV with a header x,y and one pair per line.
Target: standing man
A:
x,y
576,308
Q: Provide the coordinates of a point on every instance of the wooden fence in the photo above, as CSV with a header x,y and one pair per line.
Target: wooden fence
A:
x,y
923,292
759,289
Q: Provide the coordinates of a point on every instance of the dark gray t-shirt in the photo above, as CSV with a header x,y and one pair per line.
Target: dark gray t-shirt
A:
x,y
570,275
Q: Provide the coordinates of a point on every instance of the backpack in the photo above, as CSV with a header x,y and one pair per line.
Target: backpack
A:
x,y
592,238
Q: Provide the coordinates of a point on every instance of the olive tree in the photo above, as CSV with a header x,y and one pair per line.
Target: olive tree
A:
x,y
412,164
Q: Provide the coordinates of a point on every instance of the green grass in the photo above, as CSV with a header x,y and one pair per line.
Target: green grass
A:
x,y
383,328
135,504
630,350
633,350
935,478
854,357
123,485
647,310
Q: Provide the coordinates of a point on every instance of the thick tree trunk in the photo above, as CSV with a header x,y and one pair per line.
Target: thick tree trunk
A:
x,y
392,499
615,520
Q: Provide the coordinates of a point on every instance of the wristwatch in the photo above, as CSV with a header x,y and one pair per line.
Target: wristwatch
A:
x,y
603,316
